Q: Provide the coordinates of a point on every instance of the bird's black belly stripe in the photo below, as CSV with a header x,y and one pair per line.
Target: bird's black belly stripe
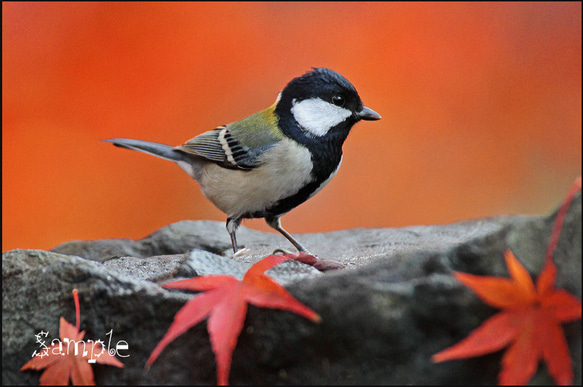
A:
x,y
286,204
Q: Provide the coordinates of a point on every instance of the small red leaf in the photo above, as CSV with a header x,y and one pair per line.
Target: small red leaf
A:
x,y
63,362
225,304
530,323
193,312
534,332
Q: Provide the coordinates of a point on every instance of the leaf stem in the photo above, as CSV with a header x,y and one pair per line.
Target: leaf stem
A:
x,y
77,309
556,231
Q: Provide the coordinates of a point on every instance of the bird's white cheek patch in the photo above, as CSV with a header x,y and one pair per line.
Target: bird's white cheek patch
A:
x,y
318,116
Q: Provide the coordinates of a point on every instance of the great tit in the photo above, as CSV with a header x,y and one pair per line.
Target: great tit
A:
x,y
270,162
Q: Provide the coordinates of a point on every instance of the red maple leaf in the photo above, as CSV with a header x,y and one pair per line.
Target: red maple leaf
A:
x,y
65,359
530,320
225,303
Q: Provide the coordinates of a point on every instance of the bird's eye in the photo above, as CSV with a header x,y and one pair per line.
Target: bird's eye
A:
x,y
338,100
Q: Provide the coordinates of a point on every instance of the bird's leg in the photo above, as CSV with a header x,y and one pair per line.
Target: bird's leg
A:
x,y
304,255
275,223
232,225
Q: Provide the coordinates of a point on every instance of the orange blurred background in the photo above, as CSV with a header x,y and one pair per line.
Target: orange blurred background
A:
x,y
481,106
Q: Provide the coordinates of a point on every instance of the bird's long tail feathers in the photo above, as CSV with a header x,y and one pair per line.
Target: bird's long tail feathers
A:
x,y
153,148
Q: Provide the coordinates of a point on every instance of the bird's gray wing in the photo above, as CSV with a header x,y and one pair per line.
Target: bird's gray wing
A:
x,y
232,147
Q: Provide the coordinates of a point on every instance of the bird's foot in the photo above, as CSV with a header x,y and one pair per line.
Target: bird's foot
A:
x,y
312,260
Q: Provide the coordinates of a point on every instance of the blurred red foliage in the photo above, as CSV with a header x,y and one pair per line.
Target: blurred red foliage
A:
x,y
481,106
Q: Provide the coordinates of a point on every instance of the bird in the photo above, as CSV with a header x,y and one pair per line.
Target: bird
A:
x,y
268,163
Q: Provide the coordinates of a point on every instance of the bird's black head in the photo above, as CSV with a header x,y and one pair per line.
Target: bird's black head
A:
x,y
320,106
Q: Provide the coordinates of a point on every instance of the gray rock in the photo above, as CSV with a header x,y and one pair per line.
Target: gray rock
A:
x,y
155,269
382,318
204,263
177,238
353,248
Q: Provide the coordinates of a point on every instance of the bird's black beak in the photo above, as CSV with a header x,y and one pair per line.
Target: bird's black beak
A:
x,y
368,114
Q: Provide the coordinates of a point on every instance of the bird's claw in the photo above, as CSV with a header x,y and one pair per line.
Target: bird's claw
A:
x,y
312,260
328,264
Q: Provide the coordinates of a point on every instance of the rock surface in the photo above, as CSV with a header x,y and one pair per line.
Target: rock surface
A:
x,y
383,317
